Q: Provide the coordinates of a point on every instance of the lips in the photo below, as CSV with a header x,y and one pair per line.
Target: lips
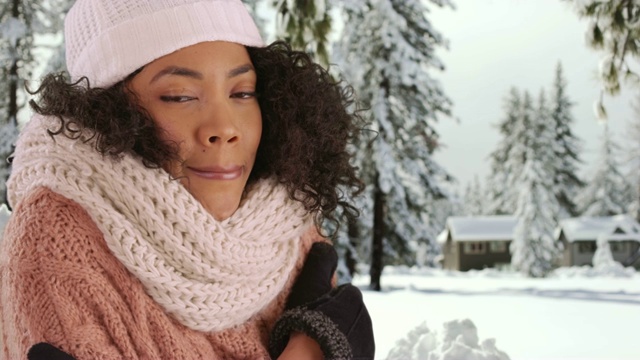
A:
x,y
217,172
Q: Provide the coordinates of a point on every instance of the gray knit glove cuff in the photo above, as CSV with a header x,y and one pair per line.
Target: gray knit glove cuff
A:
x,y
314,324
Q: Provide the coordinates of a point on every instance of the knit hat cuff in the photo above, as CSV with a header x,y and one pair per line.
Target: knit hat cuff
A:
x,y
125,47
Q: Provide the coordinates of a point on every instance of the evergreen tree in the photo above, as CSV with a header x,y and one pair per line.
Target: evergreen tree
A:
x,y
613,29
57,61
20,22
8,135
16,58
446,207
16,62
386,53
499,198
261,22
474,198
567,184
533,249
305,24
352,239
606,193
632,159
521,138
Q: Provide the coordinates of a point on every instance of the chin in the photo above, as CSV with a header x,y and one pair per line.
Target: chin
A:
x,y
221,207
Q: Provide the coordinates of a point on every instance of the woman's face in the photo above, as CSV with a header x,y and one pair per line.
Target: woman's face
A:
x,y
203,98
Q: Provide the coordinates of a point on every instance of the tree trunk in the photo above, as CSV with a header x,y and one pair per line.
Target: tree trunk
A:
x,y
13,75
350,257
13,93
377,264
637,214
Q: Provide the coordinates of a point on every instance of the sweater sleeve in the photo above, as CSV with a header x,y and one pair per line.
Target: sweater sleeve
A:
x,y
52,288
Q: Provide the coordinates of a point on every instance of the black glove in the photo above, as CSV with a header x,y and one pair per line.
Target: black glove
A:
x,y
315,277
336,319
46,351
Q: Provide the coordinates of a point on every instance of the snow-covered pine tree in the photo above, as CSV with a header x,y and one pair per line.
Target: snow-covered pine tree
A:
x,y
20,22
305,24
474,198
566,146
632,159
606,192
613,29
534,250
255,10
16,58
57,61
352,239
520,140
8,135
16,61
386,52
499,200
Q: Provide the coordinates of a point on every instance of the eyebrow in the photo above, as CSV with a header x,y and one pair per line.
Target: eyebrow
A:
x,y
175,70
181,71
242,69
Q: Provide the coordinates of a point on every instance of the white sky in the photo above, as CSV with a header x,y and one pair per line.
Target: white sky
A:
x,y
497,44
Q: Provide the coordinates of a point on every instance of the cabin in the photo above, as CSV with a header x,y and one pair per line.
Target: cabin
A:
x,y
477,242
578,237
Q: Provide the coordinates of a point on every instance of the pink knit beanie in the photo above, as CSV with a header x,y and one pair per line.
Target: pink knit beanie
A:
x,y
106,40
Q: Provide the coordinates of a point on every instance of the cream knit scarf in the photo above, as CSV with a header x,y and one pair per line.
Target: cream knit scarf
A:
x,y
210,275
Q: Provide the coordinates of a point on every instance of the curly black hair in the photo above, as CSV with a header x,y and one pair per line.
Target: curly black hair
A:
x,y
308,120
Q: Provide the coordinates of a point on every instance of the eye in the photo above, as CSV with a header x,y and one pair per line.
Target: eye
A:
x,y
177,99
244,95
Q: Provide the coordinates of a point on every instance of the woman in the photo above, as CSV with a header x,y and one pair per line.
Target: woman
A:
x,y
165,200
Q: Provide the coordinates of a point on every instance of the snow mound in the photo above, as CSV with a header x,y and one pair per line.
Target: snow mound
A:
x,y
458,340
437,272
615,270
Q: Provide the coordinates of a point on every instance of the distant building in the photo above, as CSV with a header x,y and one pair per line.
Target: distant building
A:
x,y
579,235
477,242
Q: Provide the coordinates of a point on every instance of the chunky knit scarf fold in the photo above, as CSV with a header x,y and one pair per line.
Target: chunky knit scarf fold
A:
x,y
210,275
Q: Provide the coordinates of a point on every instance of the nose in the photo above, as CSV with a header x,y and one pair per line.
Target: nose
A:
x,y
218,127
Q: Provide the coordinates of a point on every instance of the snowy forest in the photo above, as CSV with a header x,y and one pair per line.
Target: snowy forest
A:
x,y
387,51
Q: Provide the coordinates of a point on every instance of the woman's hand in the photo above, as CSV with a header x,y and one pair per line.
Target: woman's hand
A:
x,y
46,351
301,347
316,276
334,320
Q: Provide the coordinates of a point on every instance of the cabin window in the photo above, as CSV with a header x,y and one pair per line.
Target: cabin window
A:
x,y
498,246
617,246
587,247
475,248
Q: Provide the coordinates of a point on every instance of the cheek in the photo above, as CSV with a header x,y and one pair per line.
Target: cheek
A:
x,y
173,132
168,131
174,135
174,169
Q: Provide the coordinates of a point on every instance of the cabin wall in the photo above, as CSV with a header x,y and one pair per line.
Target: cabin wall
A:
x,y
489,254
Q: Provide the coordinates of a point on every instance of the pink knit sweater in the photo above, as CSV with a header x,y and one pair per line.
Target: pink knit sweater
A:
x,y
60,284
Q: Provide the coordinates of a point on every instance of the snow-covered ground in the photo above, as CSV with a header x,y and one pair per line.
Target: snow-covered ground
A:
x,y
577,314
